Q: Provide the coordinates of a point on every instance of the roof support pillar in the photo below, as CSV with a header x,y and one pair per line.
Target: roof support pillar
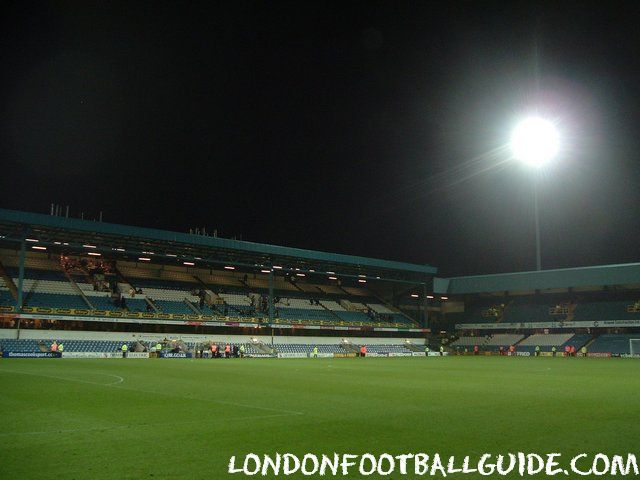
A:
x,y
425,303
271,296
23,251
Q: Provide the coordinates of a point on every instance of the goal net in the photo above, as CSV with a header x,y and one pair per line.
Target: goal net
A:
x,y
634,346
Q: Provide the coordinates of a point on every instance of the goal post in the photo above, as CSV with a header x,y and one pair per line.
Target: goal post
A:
x,y
634,346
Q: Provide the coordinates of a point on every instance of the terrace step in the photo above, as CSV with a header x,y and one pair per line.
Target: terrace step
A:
x,y
414,348
195,309
262,348
78,289
152,305
350,348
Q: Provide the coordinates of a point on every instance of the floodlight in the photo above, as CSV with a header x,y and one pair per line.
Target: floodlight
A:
x,y
535,141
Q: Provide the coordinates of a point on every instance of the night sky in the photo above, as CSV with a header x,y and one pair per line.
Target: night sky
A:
x,y
370,128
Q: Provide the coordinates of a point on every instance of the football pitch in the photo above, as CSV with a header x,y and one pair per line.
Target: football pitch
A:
x,y
182,418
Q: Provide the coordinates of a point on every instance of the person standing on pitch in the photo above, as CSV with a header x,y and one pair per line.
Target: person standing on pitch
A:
x,y
554,350
475,350
441,350
315,352
124,349
61,347
158,348
537,350
227,350
583,350
242,351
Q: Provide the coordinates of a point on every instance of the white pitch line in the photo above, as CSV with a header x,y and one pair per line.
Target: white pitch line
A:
x,y
138,425
120,380
117,382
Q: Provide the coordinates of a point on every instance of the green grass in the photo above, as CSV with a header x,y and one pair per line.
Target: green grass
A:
x,y
175,418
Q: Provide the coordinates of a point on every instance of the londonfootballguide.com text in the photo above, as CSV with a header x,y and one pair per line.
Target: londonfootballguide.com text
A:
x,y
523,464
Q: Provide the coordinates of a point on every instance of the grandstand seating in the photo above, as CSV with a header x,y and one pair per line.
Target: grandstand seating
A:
x,y
545,341
470,341
354,317
497,340
528,344
172,291
612,343
103,302
578,341
387,349
504,339
307,348
37,299
332,305
604,310
5,297
526,310
34,346
519,313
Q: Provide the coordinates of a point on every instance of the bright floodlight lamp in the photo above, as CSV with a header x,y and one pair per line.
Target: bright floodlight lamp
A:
x,y
535,141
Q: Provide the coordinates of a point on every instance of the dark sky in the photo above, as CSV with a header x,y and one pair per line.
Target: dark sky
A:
x,y
371,128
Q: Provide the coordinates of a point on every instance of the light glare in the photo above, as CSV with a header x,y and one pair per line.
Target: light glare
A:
x,y
535,141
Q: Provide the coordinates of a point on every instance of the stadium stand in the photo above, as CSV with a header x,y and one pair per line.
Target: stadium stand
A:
x,y
545,341
578,341
43,345
207,285
103,346
605,310
465,341
612,343
51,289
489,341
